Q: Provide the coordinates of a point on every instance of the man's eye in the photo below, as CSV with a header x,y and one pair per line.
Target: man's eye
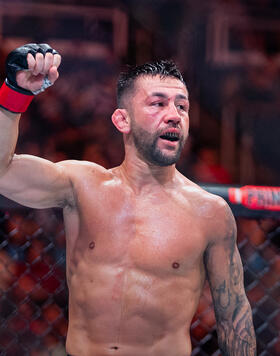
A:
x,y
158,103
182,107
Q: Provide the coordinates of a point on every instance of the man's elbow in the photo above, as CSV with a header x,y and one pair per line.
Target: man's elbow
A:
x,y
5,163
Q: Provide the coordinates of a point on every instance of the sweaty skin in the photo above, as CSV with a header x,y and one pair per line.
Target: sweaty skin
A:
x,y
141,238
137,290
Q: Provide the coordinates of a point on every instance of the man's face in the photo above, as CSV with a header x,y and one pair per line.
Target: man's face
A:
x,y
159,119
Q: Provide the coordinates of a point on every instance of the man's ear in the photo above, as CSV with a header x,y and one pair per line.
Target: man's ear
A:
x,y
121,120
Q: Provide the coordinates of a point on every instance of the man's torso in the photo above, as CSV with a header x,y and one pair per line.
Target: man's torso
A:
x,y
134,265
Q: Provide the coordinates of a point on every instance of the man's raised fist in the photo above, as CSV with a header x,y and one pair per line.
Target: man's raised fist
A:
x,y
30,70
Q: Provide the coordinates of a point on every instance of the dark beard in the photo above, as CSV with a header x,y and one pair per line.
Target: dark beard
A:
x,y
146,145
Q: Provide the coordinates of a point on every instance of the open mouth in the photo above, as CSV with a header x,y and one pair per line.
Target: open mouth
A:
x,y
170,136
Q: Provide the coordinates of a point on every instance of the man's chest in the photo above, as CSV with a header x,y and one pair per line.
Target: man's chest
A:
x,y
147,232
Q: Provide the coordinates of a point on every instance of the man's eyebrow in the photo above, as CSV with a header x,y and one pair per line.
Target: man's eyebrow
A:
x,y
161,95
164,96
181,96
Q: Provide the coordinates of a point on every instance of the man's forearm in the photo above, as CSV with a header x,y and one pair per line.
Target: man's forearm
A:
x,y
8,137
234,345
237,337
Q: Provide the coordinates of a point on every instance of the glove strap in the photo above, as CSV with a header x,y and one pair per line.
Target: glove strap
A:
x,y
14,101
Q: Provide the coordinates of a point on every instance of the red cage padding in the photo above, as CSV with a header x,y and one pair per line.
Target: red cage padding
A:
x,y
249,200
256,197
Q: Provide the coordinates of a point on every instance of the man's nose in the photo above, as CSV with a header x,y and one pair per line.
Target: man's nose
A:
x,y
172,114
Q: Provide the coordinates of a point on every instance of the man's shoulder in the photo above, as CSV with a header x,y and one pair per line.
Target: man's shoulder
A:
x,y
195,191
211,210
206,204
76,170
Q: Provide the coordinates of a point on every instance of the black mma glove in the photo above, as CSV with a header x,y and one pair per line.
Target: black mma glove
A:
x,y
13,97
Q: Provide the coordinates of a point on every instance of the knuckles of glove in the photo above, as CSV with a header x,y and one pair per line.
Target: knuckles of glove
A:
x,y
17,60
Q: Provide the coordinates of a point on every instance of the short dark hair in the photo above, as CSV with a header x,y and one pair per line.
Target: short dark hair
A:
x,y
163,68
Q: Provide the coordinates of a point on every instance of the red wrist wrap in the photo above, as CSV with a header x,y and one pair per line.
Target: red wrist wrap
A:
x,y
13,100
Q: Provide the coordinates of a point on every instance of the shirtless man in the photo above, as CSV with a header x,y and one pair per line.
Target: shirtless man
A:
x,y
141,238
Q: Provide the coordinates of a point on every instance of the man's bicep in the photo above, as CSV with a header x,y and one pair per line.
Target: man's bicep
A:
x,y
36,182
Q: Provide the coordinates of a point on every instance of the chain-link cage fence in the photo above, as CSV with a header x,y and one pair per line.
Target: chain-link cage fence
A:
x,y
33,290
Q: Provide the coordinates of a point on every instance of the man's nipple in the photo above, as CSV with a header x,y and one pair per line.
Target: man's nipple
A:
x,y
114,348
175,265
91,245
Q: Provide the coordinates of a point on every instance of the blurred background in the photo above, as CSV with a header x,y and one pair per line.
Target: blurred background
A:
x,y
229,54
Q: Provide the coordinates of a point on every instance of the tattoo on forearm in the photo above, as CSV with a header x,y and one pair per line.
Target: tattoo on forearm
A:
x,y
234,317
238,338
223,295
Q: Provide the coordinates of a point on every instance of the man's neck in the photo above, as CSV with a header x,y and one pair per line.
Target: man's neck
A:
x,y
141,175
